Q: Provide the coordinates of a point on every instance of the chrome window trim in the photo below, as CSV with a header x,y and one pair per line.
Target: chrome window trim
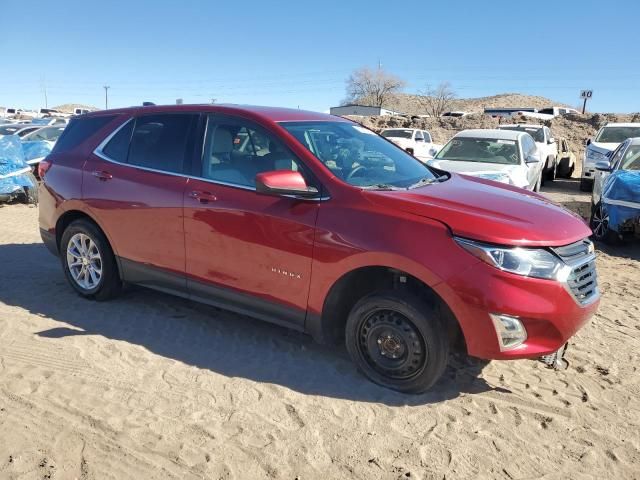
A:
x,y
98,151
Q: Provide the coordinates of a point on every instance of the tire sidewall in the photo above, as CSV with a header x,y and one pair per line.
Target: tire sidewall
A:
x,y
88,229
423,317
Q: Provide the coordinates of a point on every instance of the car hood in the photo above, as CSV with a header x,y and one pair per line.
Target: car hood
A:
x,y
488,211
514,173
623,188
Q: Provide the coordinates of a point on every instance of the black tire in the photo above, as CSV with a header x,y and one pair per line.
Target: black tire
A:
x,y
385,324
109,284
586,185
553,171
565,169
599,224
30,196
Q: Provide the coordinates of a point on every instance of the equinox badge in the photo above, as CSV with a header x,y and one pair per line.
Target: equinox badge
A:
x,y
286,273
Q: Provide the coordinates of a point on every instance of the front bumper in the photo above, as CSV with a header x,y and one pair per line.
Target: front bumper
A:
x,y
549,311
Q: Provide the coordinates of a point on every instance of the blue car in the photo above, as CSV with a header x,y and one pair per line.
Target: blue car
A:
x,y
615,212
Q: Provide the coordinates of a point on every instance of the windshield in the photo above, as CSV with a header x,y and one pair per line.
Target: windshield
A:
x,y
397,133
617,134
358,156
481,150
536,133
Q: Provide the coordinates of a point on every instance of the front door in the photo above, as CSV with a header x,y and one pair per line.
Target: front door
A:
x,y
134,185
246,251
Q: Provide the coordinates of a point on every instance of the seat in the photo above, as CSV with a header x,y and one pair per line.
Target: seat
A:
x,y
278,159
220,166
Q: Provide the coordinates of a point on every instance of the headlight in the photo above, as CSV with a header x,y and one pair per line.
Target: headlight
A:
x,y
528,262
496,177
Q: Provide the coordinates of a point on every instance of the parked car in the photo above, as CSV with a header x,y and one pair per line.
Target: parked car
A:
x,y
505,112
416,142
547,146
19,129
606,140
330,230
49,121
16,180
503,156
549,113
615,201
50,134
566,159
456,114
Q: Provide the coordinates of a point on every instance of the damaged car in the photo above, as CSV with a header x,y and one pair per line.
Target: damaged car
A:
x,y
615,210
17,182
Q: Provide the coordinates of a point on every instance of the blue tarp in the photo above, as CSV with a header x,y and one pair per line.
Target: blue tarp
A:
x,y
13,166
36,149
621,196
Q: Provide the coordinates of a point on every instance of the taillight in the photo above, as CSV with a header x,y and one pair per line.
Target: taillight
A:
x,y
43,167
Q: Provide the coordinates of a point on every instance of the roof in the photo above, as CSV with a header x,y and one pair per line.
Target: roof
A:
x,y
628,124
635,141
488,133
523,125
269,114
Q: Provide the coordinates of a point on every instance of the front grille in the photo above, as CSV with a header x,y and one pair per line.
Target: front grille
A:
x,y
583,282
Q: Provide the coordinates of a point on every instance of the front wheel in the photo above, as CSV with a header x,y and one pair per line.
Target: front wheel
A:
x,y
586,185
88,261
397,341
600,225
553,171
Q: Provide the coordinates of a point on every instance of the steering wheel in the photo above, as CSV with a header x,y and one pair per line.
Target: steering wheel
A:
x,y
353,172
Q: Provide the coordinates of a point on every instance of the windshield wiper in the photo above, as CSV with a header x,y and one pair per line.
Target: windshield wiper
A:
x,y
427,181
381,186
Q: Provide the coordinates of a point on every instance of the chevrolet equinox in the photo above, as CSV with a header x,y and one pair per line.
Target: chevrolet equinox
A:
x,y
314,222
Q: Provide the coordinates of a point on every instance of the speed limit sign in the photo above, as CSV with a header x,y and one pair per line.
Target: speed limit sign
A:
x,y
586,94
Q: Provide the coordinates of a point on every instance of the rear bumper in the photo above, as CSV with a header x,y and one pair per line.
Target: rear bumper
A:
x,y
547,309
49,240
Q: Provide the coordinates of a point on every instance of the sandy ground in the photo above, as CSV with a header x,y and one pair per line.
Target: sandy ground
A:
x,y
154,387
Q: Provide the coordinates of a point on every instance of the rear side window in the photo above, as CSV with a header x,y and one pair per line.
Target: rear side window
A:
x,y
118,147
78,131
160,141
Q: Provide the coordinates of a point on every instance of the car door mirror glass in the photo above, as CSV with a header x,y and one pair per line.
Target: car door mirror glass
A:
x,y
531,159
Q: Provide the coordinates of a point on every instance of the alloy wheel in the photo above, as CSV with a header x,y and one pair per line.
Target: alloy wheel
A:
x,y
600,222
84,261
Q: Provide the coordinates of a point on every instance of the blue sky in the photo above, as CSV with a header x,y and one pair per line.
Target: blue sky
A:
x,y
299,53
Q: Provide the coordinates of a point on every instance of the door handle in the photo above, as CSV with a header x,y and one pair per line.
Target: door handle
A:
x,y
203,197
102,175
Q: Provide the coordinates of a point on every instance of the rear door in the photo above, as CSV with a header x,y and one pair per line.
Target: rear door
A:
x,y
246,251
134,185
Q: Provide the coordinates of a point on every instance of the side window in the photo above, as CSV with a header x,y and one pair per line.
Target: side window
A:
x,y
427,137
160,141
79,130
419,137
528,145
615,158
118,147
236,151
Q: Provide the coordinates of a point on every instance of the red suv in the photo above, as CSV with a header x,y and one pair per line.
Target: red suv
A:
x,y
314,222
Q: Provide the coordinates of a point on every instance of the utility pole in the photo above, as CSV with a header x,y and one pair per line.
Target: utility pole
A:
x,y
46,102
106,96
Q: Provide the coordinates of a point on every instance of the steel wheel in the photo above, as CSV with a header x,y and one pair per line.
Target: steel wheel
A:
x,y
600,222
392,345
84,261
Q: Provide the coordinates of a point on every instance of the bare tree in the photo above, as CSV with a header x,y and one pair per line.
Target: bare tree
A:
x,y
439,100
372,87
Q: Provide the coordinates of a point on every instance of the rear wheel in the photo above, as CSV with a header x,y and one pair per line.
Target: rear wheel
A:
x,y
397,341
565,168
88,261
30,195
553,171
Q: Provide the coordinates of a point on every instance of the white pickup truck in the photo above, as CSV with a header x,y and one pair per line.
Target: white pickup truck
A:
x,y
547,146
416,142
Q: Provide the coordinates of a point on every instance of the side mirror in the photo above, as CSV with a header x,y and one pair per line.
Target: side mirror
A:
x,y
531,159
551,140
284,182
603,166
587,141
